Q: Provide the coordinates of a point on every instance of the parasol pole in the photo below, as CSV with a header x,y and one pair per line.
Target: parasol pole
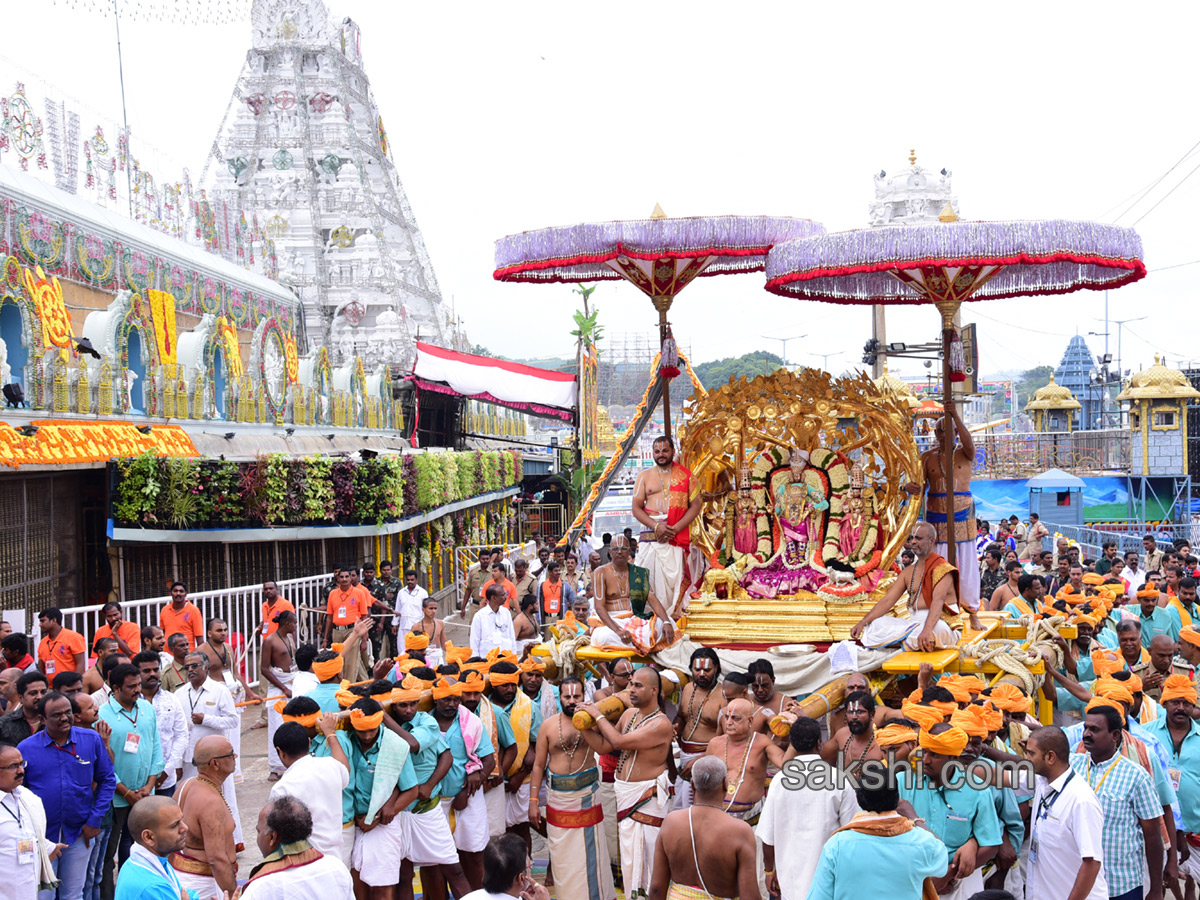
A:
x,y
662,303
948,308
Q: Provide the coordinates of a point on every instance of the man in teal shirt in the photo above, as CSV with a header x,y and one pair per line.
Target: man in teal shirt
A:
x,y
433,848
461,788
374,754
1154,618
137,758
328,664
1179,734
525,720
965,819
859,862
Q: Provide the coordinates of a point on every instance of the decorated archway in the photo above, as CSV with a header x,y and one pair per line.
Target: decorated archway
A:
x,y
272,365
223,366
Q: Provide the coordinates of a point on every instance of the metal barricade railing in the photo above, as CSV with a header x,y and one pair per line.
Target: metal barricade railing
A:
x,y
240,607
467,556
1127,535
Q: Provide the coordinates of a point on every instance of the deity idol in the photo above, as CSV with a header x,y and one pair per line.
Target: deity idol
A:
x,y
856,520
789,571
745,535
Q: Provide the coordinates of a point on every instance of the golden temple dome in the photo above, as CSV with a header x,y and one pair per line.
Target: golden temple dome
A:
x,y
1052,396
1158,383
890,384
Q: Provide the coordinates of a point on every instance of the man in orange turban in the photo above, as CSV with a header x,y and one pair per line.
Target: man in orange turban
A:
x,y
1189,645
537,688
386,764
925,716
976,722
962,696
934,791
1179,734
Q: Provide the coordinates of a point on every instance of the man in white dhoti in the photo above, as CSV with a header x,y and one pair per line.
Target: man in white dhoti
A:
x,y
292,869
278,669
663,503
628,605
643,738
209,710
574,814
931,584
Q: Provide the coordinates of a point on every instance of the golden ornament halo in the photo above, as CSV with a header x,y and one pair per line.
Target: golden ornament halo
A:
x,y
725,430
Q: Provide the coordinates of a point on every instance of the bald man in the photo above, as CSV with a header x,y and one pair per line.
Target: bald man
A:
x,y
745,753
931,585
208,862
157,827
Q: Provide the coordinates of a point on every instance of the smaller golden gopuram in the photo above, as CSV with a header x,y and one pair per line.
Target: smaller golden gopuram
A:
x,y
810,486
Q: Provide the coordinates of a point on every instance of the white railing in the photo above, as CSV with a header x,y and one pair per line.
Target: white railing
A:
x,y
240,607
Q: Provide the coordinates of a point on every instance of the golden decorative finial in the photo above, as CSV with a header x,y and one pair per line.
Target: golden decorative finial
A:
x,y
1157,360
658,212
912,157
948,214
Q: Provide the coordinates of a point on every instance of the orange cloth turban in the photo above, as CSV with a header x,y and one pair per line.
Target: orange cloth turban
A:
x,y
409,690
1177,687
992,716
308,721
1134,683
1010,697
413,641
1113,690
950,742
1148,594
532,665
457,655
1097,702
925,716
337,648
360,721
479,667
1190,634
955,687
496,655
497,678
943,705
325,671
972,683
472,682
569,622
444,687
1073,599
404,665
1106,662
891,735
972,720
1093,578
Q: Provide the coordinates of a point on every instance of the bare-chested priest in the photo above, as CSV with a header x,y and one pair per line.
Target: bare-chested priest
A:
x,y
931,584
955,520
207,863
855,740
699,712
663,502
578,845
625,602
643,738
746,753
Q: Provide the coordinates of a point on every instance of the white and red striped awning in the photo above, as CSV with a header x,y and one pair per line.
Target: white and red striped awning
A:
x,y
538,392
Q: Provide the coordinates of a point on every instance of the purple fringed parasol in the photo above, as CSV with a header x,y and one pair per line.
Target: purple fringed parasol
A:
x,y
660,256
950,262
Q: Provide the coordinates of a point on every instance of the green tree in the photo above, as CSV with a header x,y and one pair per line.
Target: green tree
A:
x,y
717,372
1030,381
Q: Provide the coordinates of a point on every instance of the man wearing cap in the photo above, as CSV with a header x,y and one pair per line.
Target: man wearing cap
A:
x,y
897,739
1189,645
538,689
1131,835
965,819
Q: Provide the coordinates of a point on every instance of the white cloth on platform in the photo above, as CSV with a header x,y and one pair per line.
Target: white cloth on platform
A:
x,y
275,719
665,564
889,631
967,562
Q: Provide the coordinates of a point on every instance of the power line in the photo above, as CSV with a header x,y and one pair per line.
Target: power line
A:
x,y
1166,195
1022,327
1176,266
1156,182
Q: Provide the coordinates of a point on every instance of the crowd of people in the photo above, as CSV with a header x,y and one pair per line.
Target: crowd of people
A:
x,y
391,751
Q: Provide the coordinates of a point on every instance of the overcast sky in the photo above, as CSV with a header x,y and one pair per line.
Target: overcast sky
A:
x,y
507,117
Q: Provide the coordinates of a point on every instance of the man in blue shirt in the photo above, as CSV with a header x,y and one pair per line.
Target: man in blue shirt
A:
x,y
964,818
1179,733
433,846
158,831
461,788
328,668
61,765
137,758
